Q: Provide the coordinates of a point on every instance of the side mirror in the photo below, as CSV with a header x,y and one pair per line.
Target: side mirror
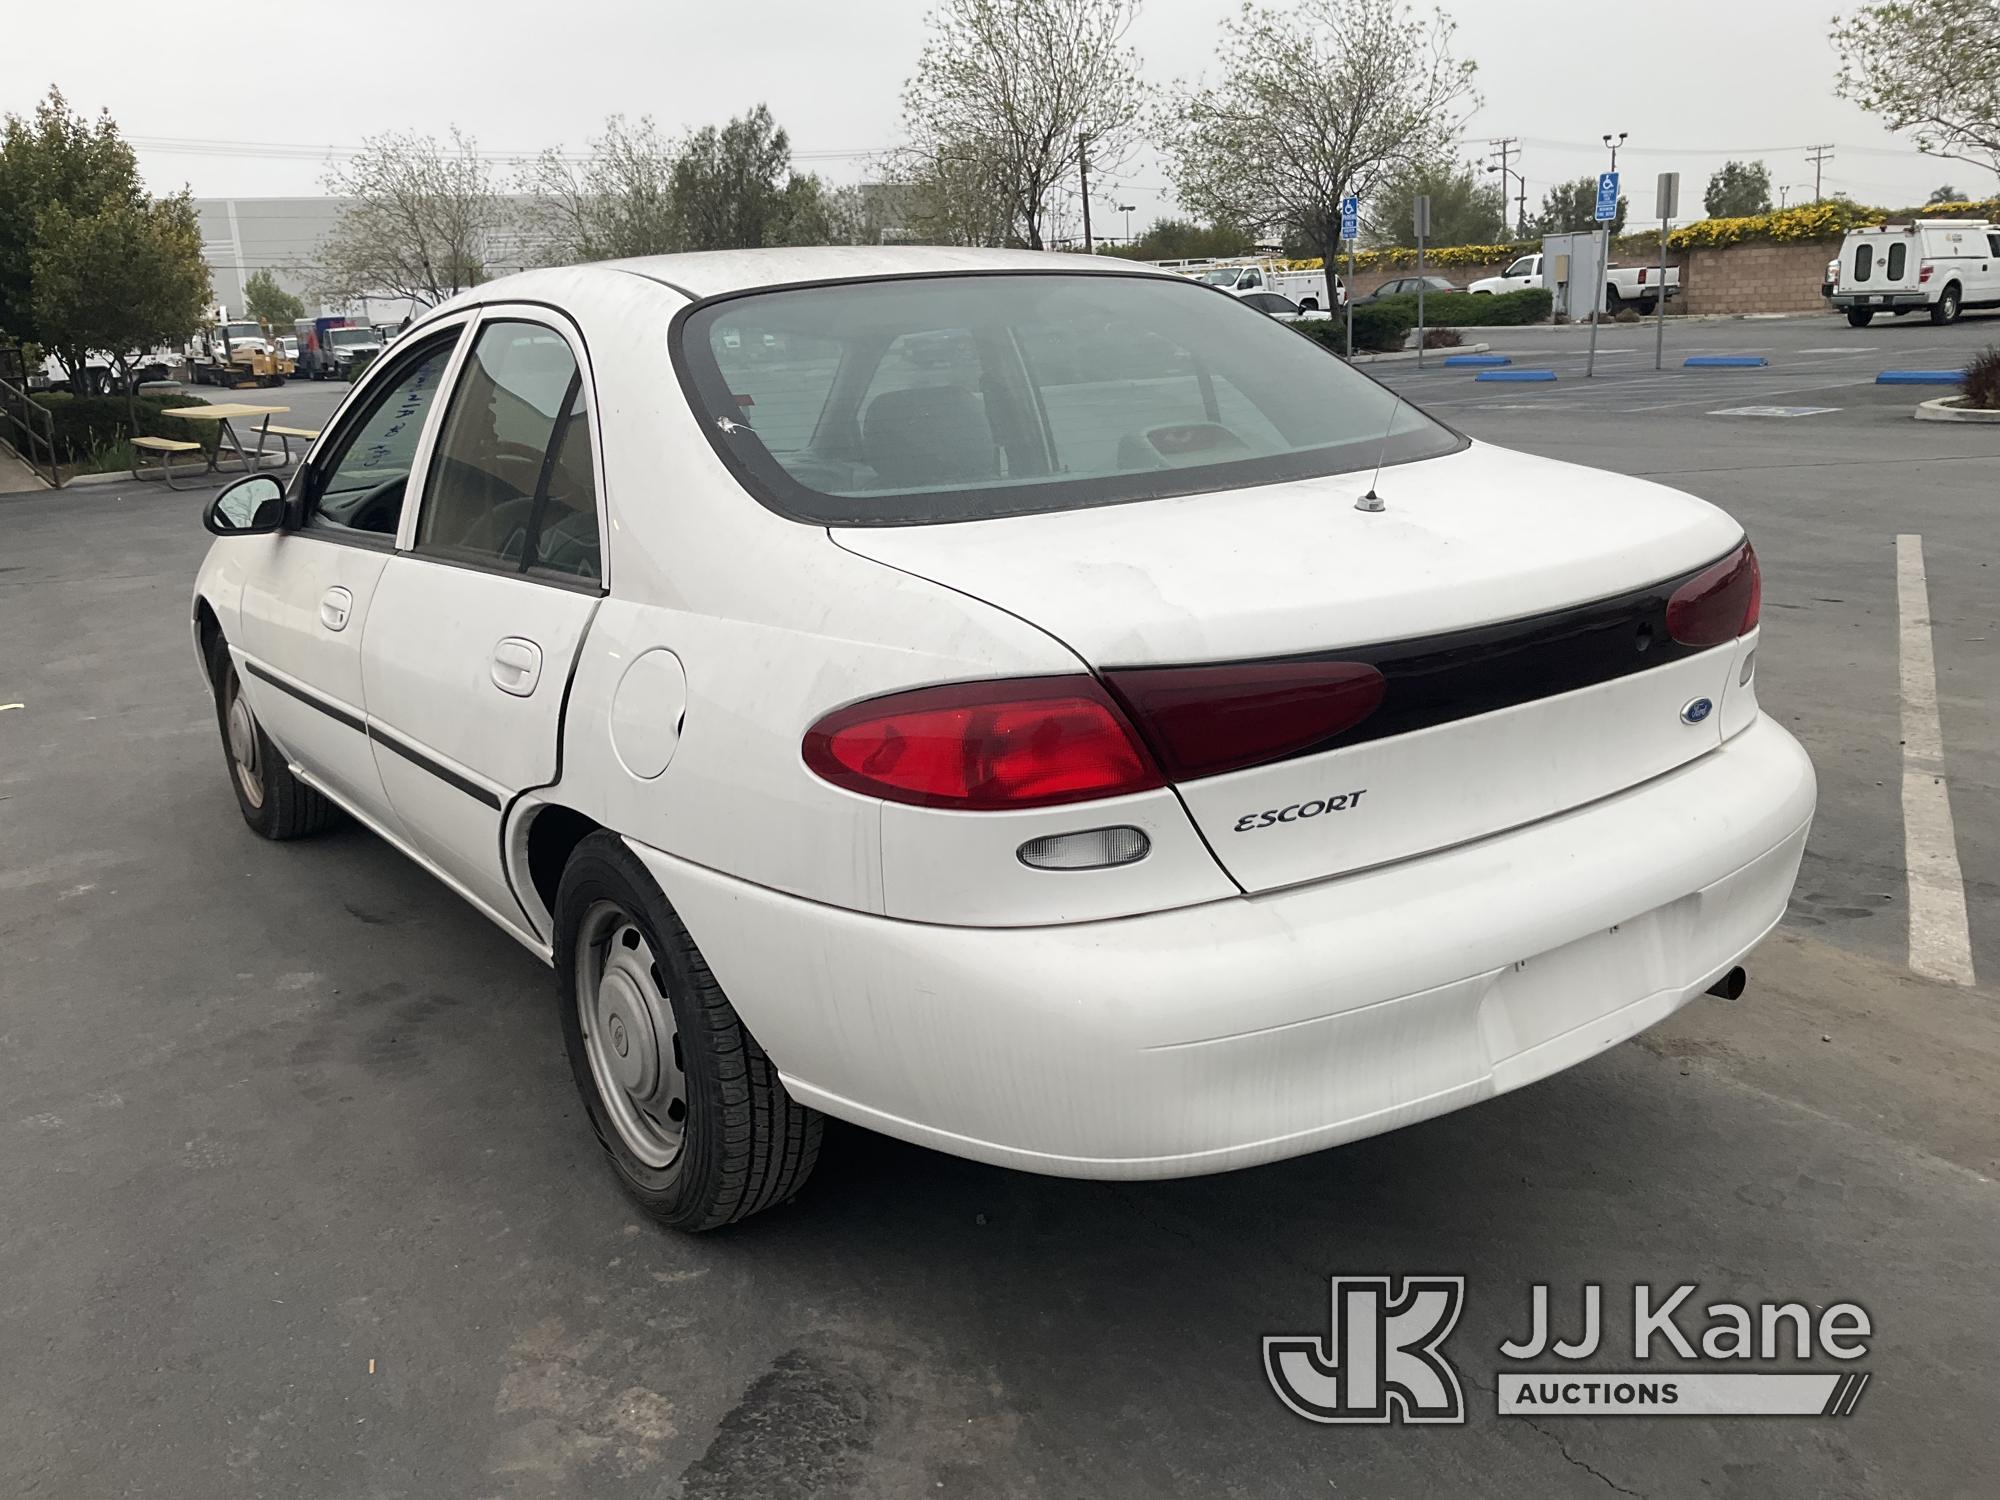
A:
x,y
249,507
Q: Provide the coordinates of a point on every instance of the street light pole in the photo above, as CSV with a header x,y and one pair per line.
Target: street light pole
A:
x,y
1126,209
1603,265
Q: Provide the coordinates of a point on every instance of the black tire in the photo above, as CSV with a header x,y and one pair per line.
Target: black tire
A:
x,y
281,806
745,1145
1860,317
1946,308
1612,301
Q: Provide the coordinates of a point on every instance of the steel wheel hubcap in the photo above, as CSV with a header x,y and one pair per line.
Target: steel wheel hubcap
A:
x,y
243,747
629,1035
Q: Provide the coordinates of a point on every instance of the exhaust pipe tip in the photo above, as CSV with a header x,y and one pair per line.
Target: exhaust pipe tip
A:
x,y
1731,985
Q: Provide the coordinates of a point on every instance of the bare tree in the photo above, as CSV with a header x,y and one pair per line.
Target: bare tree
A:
x,y
1318,101
1005,94
955,198
1928,67
617,200
421,221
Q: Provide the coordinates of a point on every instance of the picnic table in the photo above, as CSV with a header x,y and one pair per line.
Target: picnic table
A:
x,y
225,414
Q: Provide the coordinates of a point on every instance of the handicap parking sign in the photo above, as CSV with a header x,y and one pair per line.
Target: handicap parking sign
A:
x,y
1350,218
1607,197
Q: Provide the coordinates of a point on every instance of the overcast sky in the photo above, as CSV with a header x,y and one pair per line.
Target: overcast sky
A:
x,y
244,99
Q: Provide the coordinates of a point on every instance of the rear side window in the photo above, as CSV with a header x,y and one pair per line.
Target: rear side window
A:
x,y
1993,243
923,399
1898,257
1864,261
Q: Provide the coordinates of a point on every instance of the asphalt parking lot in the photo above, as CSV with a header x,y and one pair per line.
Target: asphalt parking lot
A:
x,y
300,1200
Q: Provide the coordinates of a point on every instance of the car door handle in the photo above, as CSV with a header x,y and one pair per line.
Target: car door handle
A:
x,y
517,666
335,605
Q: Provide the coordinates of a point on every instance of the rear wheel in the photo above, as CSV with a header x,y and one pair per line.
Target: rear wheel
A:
x,y
686,1104
1945,309
1860,317
274,802
1612,301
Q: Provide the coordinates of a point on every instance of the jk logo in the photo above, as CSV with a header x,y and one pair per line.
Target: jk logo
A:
x,y
1382,1362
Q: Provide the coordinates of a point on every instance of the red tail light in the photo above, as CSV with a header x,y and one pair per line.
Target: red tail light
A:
x,y
1202,721
1923,274
983,746
1719,603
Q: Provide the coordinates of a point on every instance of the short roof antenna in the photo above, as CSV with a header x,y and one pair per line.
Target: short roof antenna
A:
x,y
1371,501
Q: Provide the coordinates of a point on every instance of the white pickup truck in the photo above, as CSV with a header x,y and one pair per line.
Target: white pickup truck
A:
x,y
1639,285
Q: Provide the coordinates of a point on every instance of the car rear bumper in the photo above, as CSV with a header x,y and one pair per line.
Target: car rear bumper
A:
x,y
1877,299
1246,1030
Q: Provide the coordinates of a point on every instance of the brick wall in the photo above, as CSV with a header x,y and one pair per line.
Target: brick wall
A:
x,y
1731,279
1757,278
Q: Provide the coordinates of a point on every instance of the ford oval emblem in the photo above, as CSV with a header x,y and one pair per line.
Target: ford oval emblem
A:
x,y
1696,710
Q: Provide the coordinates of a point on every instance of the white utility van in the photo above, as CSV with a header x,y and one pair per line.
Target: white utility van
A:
x,y
1945,265
1305,287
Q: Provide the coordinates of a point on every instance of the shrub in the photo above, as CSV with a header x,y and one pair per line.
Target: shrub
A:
x,y
1479,310
1982,381
1626,315
91,424
1442,338
1379,328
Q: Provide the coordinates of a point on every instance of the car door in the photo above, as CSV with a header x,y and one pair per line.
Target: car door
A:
x,y
304,608
478,618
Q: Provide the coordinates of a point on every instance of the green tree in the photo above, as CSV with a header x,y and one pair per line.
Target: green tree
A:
x,y
1464,210
55,159
1930,68
1571,208
1737,190
617,201
119,281
1316,101
1005,94
421,220
1186,239
264,299
1945,194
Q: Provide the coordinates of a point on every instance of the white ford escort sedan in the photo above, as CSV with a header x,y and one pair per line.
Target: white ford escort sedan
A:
x,y
1036,707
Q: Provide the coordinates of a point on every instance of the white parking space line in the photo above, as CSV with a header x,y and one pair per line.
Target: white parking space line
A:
x,y
1940,941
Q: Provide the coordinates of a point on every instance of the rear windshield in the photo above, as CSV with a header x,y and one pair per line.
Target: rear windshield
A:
x,y
954,398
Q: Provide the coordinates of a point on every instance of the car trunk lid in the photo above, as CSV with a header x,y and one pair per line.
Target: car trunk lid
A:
x,y
1515,609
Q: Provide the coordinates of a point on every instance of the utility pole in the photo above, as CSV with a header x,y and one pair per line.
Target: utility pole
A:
x,y
1083,172
1819,156
1507,146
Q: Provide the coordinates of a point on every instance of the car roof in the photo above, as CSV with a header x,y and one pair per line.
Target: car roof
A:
x,y
709,273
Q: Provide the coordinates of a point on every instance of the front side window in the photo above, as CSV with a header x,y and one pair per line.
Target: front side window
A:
x,y
923,399
513,465
1525,266
361,488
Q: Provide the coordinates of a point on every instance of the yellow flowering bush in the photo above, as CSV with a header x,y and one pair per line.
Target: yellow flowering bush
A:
x,y
1809,221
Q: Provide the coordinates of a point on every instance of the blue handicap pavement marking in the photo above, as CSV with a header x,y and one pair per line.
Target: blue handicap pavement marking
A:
x,y
1921,377
1474,360
1521,376
1724,361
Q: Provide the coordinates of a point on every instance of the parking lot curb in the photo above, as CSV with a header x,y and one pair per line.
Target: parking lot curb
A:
x,y
1921,377
1942,410
1411,354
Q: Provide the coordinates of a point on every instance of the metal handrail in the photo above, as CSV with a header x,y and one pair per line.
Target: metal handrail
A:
x,y
22,411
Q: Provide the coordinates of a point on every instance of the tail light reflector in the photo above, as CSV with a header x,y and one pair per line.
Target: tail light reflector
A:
x,y
983,746
1202,721
1719,603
